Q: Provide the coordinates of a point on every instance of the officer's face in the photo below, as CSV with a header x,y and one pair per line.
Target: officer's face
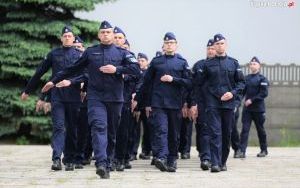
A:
x,y
67,39
220,47
79,46
211,52
254,67
143,62
119,39
170,46
125,46
106,36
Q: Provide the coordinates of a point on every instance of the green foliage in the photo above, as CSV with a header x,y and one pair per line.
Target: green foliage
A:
x,y
22,140
289,138
68,5
29,30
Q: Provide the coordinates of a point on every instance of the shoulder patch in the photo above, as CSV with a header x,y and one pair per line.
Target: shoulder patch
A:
x,y
131,58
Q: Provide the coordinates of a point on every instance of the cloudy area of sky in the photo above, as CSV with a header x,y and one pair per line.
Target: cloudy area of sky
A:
x,y
264,28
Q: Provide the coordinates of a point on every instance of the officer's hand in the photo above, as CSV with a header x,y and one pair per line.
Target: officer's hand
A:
x,y
166,78
82,96
193,112
137,115
109,69
133,95
39,105
47,107
24,96
133,105
227,96
148,110
64,83
47,87
248,102
184,110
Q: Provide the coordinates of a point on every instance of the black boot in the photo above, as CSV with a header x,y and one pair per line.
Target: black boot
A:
x,y
144,156
205,165
120,165
103,172
262,153
224,167
161,164
215,169
239,154
172,166
86,161
78,166
127,164
153,161
185,156
69,167
112,166
133,157
56,165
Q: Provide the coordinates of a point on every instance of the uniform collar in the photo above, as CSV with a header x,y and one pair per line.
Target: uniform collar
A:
x,y
106,45
170,56
254,74
221,57
67,47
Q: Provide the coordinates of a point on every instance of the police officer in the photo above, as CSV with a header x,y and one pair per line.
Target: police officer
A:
x,y
64,101
126,45
256,91
83,129
119,37
79,44
83,152
224,79
140,115
122,139
198,104
164,80
106,63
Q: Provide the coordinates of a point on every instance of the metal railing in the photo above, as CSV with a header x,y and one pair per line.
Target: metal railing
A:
x,y
282,75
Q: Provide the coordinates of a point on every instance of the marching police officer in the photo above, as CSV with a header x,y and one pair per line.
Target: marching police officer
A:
x,y
64,101
83,152
140,115
202,129
78,44
256,91
126,45
164,81
106,63
119,37
122,155
224,80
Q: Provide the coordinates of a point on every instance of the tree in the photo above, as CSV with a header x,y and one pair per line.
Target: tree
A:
x,y
29,30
